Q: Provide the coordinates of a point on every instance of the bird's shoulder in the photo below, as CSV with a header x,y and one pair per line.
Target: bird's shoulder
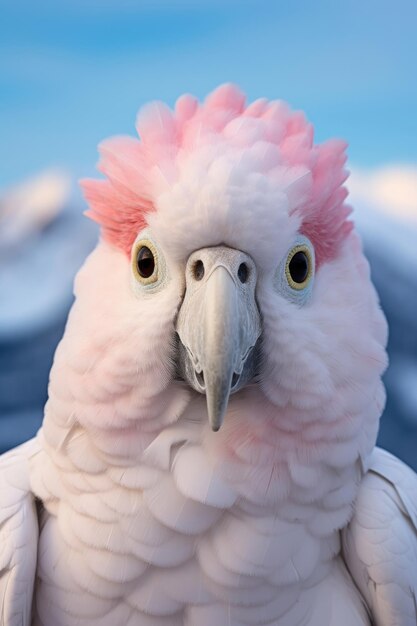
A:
x,y
18,536
380,543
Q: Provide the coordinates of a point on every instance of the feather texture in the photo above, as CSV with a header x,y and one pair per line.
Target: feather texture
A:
x,y
268,135
18,537
147,516
380,543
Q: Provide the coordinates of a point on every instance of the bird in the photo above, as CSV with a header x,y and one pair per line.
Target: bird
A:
x,y
208,451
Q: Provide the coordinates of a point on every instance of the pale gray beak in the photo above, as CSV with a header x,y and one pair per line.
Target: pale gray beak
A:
x,y
218,326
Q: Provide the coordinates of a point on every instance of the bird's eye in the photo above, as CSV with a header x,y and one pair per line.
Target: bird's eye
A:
x,y
299,267
145,262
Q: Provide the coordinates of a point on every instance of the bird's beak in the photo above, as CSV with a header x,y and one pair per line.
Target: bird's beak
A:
x,y
218,326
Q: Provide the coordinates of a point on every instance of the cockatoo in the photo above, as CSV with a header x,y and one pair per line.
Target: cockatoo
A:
x,y
207,456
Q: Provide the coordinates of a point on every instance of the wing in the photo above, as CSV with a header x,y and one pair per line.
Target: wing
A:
x,y
380,543
18,536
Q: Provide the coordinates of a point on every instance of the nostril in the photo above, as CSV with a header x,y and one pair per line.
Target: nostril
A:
x,y
200,378
235,379
243,272
198,270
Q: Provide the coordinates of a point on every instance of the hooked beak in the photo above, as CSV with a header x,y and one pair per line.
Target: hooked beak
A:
x,y
218,326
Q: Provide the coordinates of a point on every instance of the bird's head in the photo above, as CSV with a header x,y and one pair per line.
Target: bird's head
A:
x,y
227,266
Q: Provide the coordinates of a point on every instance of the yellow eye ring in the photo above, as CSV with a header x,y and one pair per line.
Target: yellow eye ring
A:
x,y
299,267
145,262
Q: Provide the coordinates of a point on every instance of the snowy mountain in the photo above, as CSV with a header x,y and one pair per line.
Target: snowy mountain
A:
x,y
44,239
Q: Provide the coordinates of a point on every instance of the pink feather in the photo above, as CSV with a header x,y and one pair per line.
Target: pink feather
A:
x,y
121,203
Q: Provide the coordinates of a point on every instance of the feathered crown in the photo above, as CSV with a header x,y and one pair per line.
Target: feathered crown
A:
x,y
121,202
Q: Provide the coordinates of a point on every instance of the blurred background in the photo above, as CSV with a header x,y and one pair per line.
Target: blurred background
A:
x,y
76,71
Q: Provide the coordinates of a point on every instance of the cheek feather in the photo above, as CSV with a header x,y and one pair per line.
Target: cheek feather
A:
x,y
293,369
325,357
113,370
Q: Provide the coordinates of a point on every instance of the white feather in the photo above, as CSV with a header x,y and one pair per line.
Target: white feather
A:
x,y
18,536
380,543
202,484
177,512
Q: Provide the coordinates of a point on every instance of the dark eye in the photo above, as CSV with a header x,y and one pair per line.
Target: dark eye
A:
x,y
145,262
299,267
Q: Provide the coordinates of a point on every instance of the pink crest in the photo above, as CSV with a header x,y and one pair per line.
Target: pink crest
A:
x,y
121,202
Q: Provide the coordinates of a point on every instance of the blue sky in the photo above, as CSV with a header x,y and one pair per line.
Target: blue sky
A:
x,y
75,71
